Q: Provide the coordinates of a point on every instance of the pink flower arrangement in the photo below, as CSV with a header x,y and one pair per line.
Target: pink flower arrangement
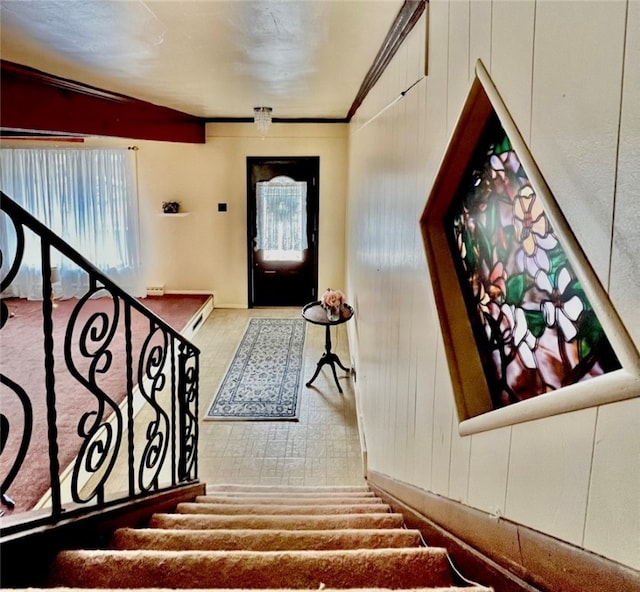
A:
x,y
332,299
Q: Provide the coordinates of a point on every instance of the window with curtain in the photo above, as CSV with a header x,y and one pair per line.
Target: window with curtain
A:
x,y
281,219
88,197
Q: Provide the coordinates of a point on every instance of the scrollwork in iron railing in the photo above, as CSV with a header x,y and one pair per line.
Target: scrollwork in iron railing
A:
x,y
13,394
152,378
101,429
24,439
188,412
155,407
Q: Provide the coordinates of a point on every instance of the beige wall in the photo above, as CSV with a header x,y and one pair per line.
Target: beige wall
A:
x,y
559,67
206,250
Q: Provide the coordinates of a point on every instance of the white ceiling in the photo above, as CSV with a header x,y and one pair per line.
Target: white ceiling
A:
x,y
209,58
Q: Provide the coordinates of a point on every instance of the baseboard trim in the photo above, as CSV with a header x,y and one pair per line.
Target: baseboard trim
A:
x,y
499,553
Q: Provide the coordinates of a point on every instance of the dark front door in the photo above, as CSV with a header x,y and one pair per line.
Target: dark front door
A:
x,y
282,230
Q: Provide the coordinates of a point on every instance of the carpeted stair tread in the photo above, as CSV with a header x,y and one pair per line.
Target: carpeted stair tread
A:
x,y
151,589
276,539
297,494
295,489
263,540
379,568
280,500
200,507
304,522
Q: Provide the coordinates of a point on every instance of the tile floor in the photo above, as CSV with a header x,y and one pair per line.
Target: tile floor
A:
x,y
322,448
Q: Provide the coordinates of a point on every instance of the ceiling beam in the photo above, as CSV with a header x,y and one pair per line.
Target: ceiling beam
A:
x,y
408,15
35,100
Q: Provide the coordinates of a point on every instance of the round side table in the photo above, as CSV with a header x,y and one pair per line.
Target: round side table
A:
x,y
314,313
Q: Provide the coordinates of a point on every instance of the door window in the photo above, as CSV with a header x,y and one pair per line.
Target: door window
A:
x,y
281,218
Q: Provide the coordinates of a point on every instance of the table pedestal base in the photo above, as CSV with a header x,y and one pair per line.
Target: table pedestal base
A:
x,y
331,359
314,313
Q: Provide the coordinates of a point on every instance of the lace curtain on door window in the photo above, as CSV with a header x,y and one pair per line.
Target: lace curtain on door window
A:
x,y
281,218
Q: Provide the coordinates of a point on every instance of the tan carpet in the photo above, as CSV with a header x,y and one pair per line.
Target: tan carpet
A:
x,y
346,499
294,489
275,509
299,495
275,544
199,521
263,540
147,589
389,568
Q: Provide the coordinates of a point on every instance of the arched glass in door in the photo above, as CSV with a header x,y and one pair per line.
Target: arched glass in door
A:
x,y
281,218
282,230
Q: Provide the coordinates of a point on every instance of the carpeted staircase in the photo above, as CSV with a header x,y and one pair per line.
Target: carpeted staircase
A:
x,y
249,537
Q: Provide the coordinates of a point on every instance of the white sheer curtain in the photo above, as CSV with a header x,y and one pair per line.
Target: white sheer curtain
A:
x,y
281,218
87,196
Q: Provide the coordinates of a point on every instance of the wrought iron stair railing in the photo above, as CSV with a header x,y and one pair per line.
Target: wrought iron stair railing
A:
x,y
130,436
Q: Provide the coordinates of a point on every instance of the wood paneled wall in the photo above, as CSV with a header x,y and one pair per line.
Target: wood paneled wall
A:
x,y
568,74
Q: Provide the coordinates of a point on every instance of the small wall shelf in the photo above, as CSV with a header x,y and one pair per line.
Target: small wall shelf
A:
x,y
176,215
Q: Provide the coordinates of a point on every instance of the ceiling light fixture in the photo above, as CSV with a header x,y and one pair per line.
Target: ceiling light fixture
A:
x,y
262,119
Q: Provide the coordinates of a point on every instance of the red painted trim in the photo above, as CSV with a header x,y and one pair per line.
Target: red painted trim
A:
x,y
36,101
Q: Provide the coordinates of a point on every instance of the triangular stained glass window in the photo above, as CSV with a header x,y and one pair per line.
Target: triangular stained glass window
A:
x,y
533,324
519,305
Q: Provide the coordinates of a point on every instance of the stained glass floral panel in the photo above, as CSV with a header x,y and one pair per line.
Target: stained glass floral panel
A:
x,y
533,324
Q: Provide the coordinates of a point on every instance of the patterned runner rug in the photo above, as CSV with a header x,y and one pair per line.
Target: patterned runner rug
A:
x,y
263,379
